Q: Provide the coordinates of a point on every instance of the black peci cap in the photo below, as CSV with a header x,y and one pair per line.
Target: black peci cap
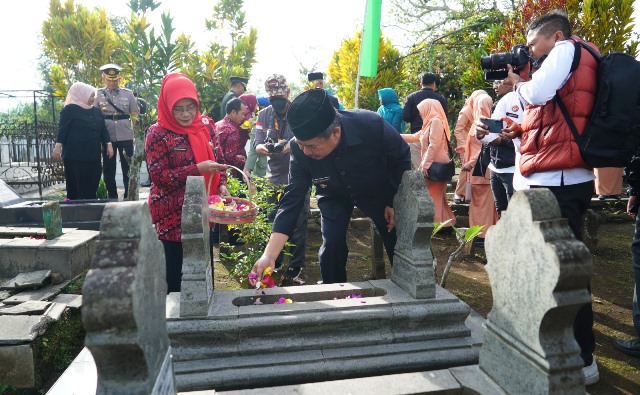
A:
x,y
310,114
315,76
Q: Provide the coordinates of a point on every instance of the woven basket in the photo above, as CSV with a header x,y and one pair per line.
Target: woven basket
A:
x,y
234,217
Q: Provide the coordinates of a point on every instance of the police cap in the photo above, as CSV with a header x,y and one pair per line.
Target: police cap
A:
x,y
111,71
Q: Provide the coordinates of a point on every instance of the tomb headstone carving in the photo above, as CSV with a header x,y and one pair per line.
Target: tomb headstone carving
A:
x,y
197,283
124,302
413,261
539,274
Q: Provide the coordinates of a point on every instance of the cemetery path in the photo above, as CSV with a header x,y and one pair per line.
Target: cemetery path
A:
x,y
612,287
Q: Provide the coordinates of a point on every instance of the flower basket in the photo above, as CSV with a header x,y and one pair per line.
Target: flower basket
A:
x,y
228,214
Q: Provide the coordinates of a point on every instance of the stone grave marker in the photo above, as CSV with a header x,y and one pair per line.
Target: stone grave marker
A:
x,y
8,195
124,303
196,288
539,274
52,219
413,261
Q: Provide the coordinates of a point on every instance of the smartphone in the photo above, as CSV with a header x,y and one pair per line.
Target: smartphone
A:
x,y
495,125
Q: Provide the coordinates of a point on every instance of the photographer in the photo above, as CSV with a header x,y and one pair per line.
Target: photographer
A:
x,y
273,134
550,155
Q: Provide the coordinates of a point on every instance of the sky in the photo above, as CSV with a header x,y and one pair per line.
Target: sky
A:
x,y
290,32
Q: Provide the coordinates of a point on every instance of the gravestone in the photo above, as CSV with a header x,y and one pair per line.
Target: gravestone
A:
x,y
52,219
124,303
539,274
8,195
413,261
196,288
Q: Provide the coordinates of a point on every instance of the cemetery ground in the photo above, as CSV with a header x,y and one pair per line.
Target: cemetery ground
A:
x,y
611,285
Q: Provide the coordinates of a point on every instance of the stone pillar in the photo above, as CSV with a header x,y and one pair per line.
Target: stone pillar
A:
x,y
539,274
412,261
196,289
124,305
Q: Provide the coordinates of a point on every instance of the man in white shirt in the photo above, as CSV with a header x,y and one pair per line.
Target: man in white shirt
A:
x,y
550,155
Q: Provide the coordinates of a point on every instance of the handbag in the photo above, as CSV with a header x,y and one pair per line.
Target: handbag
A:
x,y
442,171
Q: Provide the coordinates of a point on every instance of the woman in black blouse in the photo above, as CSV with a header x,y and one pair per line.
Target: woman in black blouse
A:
x,y
81,133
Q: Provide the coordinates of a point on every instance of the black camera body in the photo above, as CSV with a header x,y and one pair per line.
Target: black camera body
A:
x,y
272,147
497,63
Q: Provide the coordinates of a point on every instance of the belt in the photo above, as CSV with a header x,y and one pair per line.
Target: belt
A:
x,y
116,116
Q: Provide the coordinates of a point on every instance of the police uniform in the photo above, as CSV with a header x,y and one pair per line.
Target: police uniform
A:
x,y
364,170
118,122
231,94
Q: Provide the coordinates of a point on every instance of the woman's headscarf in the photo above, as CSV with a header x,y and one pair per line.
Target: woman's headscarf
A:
x,y
389,98
250,100
175,87
431,109
79,94
482,106
467,109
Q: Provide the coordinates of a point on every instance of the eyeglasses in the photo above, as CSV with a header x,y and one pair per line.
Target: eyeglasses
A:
x,y
179,110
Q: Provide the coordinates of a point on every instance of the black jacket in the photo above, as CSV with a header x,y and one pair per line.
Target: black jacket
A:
x,y
367,165
82,133
632,174
410,111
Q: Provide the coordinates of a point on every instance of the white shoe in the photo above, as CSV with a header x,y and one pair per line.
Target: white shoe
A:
x,y
591,374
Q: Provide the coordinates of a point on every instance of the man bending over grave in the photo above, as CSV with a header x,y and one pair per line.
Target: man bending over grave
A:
x,y
353,158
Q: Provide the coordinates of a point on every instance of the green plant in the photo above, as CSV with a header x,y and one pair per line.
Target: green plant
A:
x,y
464,238
101,193
255,234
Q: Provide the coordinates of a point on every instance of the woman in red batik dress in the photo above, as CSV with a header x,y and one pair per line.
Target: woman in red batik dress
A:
x,y
179,145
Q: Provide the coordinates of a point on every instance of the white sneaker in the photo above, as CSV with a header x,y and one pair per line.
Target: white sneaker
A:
x,y
591,374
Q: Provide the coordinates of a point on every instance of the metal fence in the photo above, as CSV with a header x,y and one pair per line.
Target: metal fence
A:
x,y
25,155
26,146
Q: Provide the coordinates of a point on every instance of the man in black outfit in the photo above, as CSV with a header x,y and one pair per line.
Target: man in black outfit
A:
x,y
410,111
353,158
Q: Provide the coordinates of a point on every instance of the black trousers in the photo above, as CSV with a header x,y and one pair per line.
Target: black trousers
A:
x,y
82,178
502,188
336,214
173,263
120,148
574,201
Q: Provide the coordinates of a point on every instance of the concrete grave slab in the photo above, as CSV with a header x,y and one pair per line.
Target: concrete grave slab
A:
x,y
45,293
55,311
19,329
70,300
31,307
29,280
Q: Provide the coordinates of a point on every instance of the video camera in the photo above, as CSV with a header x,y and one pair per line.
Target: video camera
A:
x,y
497,62
274,147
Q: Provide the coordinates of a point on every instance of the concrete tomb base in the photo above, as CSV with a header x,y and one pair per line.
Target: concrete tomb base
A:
x,y
320,336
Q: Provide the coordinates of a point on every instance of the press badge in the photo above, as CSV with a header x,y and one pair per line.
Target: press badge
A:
x,y
179,149
321,182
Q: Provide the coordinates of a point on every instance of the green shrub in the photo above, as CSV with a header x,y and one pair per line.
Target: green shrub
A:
x,y
102,193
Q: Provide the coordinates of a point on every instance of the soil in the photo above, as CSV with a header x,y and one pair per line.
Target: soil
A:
x,y
611,285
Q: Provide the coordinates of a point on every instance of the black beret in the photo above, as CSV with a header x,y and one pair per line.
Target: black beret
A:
x,y
315,76
310,114
244,80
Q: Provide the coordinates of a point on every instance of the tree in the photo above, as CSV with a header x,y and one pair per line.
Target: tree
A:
x,y
343,71
77,42
609,25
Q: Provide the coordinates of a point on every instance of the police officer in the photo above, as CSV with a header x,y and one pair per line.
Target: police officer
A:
x,y
117,106
238,87
353,158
